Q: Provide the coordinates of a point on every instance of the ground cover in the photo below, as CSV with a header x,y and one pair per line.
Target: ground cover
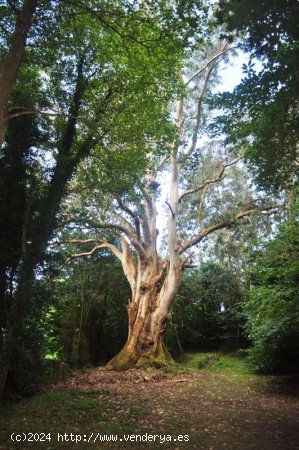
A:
x,y
220,405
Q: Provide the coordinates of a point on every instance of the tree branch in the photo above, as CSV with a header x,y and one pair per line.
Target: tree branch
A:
x,y
132,214
124,256
128,264
101,244
109,25
161,163
198,113
12,61
108,225
124,227
124,224
207,182
147,219
148,199
206,231
13,7
169,206
67,115
125,208
202,69
188,265
201,205
210,66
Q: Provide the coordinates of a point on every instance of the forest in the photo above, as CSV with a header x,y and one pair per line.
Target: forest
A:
x,y
150,152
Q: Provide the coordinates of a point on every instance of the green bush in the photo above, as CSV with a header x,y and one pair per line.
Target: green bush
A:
x,y
207,360
272,310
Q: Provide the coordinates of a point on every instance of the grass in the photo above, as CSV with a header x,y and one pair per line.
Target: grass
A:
x,y
219,363
60,412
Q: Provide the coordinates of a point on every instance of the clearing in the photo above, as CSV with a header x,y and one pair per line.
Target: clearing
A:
x,y
221,406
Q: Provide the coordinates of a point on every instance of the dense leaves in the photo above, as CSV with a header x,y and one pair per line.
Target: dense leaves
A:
x,y
263,110
86,322
206,313
272,310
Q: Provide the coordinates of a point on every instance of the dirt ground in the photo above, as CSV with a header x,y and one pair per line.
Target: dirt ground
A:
x,y
209,411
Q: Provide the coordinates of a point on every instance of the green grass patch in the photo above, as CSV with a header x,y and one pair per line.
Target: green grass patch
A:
x,y
64,411
218,363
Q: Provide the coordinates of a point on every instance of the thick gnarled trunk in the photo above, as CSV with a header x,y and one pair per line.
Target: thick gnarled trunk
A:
x,y
144,346
148,313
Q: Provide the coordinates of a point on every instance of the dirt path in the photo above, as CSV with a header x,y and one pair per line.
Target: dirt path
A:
x,y
215,411
208,411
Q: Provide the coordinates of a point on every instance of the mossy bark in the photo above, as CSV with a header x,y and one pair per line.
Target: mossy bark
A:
x,y
128,359
145,347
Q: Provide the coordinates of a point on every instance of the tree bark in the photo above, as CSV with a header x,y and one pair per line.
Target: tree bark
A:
x,y
13,60
154,283
147,319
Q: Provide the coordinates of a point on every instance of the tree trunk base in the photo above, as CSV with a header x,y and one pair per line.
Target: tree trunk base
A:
x,y
126,359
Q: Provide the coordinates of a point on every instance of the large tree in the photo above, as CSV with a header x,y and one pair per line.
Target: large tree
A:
x,y
129,209
86,67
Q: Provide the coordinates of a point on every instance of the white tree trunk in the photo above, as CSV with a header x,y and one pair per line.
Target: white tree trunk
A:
x,y
148,312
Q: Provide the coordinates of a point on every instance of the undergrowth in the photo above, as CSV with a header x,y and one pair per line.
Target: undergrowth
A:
x,y
218,363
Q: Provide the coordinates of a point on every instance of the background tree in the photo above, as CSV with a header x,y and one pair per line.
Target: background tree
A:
x,y
89,314
272,309
267,128
206,314
262,112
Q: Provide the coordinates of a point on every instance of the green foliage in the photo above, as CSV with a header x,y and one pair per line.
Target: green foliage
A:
x,y
206,313
29,358
87,321
96,78
272,310
262,111
229,364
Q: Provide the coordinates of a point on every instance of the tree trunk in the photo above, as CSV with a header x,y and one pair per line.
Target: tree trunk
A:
x,y
14,323
145,345
148,313
13,60
154,283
